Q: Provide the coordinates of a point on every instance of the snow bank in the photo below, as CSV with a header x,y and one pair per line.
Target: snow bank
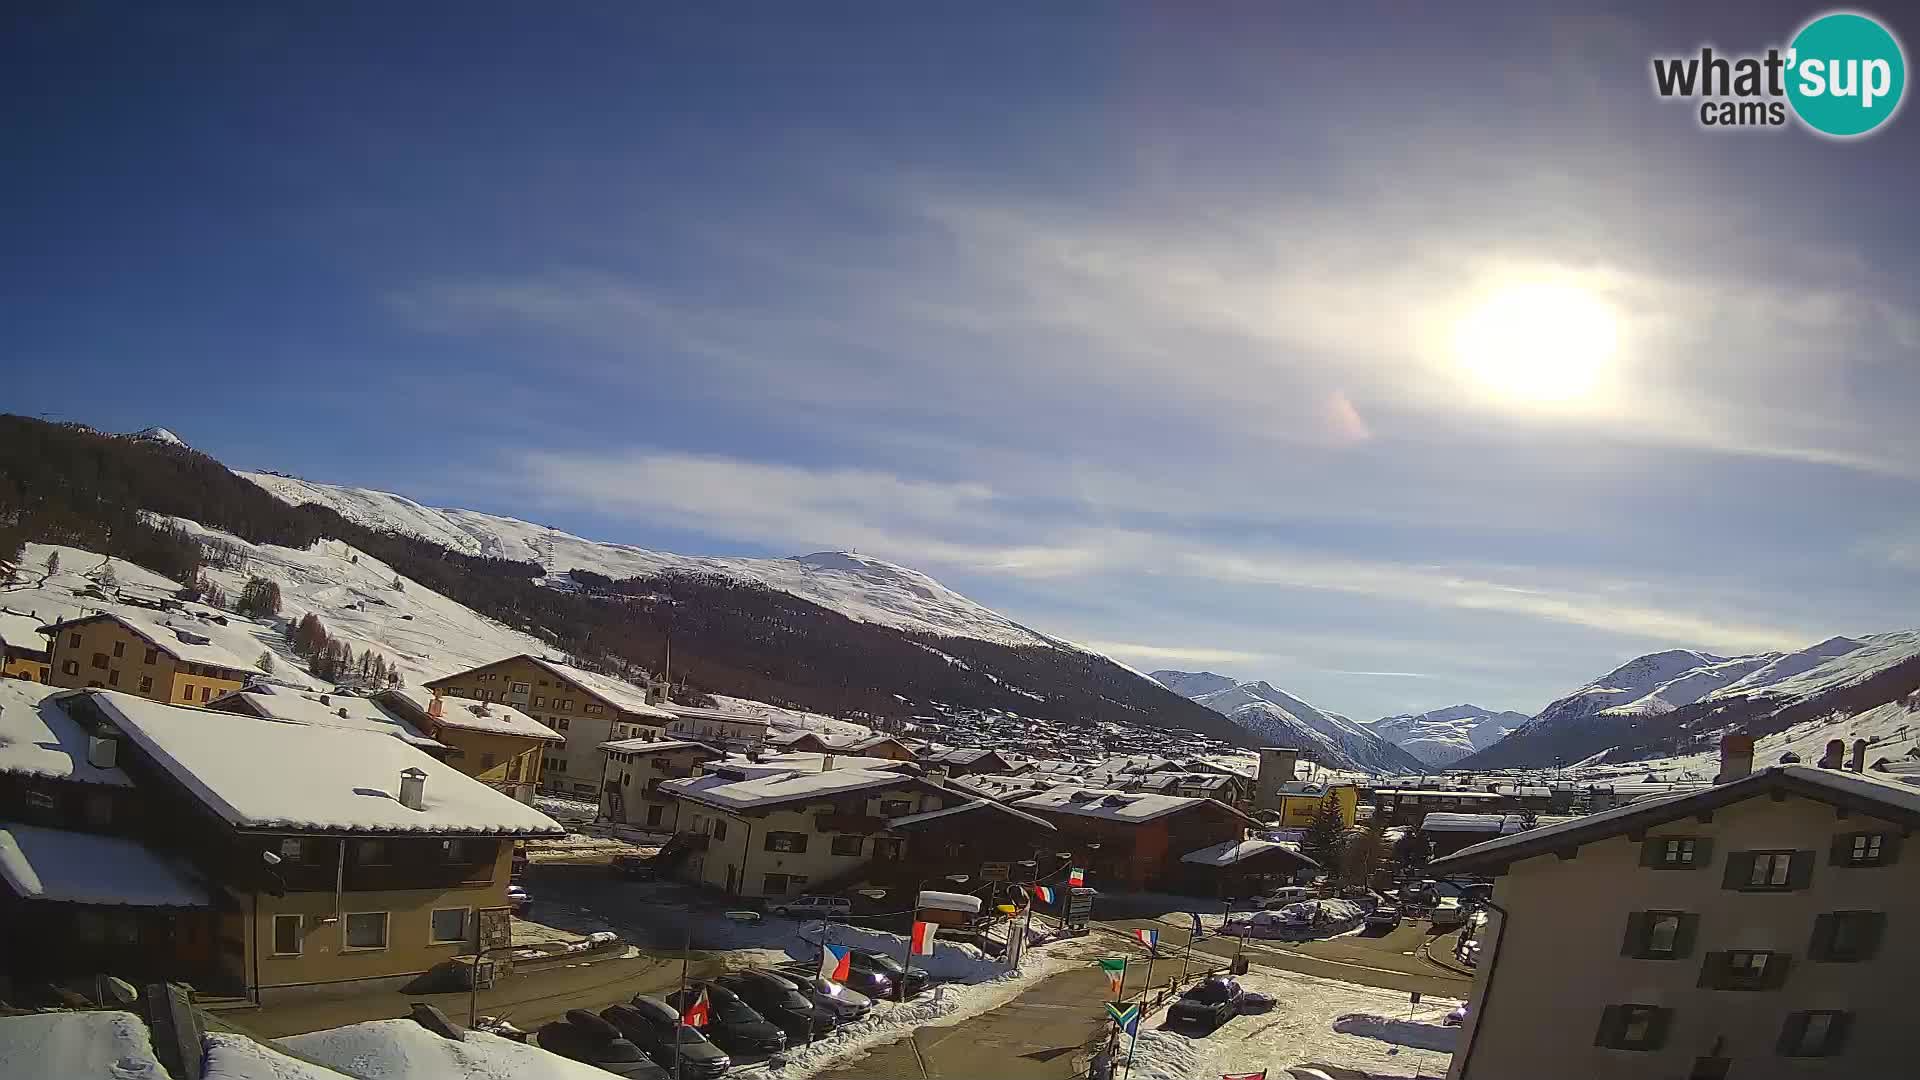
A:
x,y
403,1050
1399,1032
77,1046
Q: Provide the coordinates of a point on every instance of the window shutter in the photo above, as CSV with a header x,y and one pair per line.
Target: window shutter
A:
x,y
1842,848
1657,1028
1610,1023
1713,971
1777,967
1650,850
1821,947
1791,1033
1683,939
1739,870
1636,941
1702,853
1800,870
1837,1032
1873,926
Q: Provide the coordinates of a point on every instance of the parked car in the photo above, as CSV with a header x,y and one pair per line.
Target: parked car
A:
x,y
878,975
1420,893
654,1026
782,1004
735,1027
1448,913
848,1005
520,901
1386,915
1284,897
633,867
814,907
1207,1004
1476,894
587,1038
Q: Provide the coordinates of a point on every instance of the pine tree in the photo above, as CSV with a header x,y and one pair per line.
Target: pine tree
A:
x,y
260,599
1361,859
1326,835
265,662
53,562
310,640
107,575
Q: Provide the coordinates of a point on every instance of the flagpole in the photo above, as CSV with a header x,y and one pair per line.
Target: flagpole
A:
x,y
679,1049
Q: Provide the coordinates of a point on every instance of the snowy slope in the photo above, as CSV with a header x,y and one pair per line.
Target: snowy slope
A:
x,y
1693,685
160,435
1440,737
1277,717
1834,663
857,586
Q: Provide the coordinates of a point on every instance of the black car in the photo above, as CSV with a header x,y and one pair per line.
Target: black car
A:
x,y
776,999
734,1026
586,1038
654,1026
1207,1004
633,867
880,976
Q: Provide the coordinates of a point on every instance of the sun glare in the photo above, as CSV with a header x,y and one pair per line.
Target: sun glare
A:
x,y
1538,342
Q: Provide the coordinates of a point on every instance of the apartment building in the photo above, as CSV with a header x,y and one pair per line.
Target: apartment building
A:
x,y
23,649
1135,840
1761,927
160,658
635,768
584,708
494,743
716,727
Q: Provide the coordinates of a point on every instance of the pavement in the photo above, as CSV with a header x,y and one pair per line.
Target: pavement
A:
x,y
1397,960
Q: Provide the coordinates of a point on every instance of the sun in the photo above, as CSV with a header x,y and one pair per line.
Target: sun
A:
x,y
1538,342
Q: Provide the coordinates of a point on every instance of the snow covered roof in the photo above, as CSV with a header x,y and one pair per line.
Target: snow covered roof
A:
x,y
1115,805
179,636
1483,823
325,710
952,756
624,696
327,779
1234,851
38,738
86,868
19,631
90,1045
759,792
654,746
1884,799
695,712
969,806
1461,793
493,717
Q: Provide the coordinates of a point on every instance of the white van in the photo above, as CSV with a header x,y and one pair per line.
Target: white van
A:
x,y
1291,894
814,907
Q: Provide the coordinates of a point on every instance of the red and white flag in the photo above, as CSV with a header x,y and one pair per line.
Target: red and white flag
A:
x,y
1261,1075
1076,877
698,1014
923,938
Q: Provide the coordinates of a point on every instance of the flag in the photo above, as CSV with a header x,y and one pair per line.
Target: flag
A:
x,y
1076,877
923,938
1128,1018
1043,894
1149,938
1116,969
698,1014
1261,1075
836,962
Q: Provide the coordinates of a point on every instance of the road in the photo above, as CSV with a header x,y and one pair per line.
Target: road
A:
x,y
1395,961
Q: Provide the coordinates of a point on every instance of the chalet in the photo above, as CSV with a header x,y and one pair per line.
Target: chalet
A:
x,y
634,770
717,727
1409,806
585,708
268,701
23,649
1134,840
812,742
966,762
1240,868
491,741
161,658
1447,833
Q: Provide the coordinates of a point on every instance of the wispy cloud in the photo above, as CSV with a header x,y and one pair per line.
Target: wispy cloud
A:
x,y
1158,654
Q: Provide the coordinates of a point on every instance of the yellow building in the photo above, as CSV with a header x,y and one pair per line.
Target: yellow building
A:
x,y
1300,801
494,743
584,708
635,769
163,661
23,649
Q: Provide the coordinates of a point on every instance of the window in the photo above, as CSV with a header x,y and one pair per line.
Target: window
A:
x,y
1846,937
1814,1034
286,935
886,848
100,660
1660,935
592,709
71,667
449,925
1748,967
1676,852
775,885
119,649
206,692
1865,849
367,930
153,657
539,702
560,723
720,833
521,688
73,641
372,853
566,705
557,764
543,682
896,807
186,693
1745,969
113,677
1768,871
787,841
293,849
1633,1027
146,684
848,845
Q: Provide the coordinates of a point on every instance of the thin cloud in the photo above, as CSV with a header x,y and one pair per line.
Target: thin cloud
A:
x,y
1194,654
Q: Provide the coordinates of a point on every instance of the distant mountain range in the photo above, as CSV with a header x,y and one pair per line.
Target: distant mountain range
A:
x,y
1278,718
1439,737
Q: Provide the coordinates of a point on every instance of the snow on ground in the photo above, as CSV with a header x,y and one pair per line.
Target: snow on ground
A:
x,y
1304,1027
77,1046
783,719
388,1050
1892,731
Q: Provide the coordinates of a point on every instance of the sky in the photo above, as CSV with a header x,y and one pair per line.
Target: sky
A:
x,y
1141,323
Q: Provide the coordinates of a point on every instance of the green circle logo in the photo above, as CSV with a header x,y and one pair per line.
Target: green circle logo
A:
x,y
1846,74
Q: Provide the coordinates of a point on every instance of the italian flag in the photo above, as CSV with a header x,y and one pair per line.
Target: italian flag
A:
x,y
923,938
698,1014
1076,877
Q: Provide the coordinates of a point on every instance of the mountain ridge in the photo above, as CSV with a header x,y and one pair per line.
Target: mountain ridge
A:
x,y
1440,737
1276,716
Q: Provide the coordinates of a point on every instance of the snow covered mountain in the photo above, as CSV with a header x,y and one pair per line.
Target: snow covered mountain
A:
x,y
1278,718
858,586
1440,737
160,435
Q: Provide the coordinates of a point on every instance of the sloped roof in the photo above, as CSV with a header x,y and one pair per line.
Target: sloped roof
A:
x,y
624,696
654,746
493,717
87,868
326,710
971,805
1886,800
1116,805
1237,851
1479,823
757,792
38,738
165,634
19,631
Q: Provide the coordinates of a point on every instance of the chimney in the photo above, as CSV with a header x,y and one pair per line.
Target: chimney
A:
x,y
102,753
436,707
1858,763
324,700
1736,756
413,789
343,712
1836,755
826,762
937,776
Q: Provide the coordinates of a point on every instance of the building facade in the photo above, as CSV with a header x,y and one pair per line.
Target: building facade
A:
x,y
1763,927
635,768
157,661
23,649
1132,840
494,743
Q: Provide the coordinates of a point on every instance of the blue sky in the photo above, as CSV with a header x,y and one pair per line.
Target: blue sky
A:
x,y
1133,321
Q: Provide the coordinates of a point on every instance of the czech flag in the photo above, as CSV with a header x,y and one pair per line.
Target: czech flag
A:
x,y
1043,894
1149,938
699,1014
1076,877
836,962
923,938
